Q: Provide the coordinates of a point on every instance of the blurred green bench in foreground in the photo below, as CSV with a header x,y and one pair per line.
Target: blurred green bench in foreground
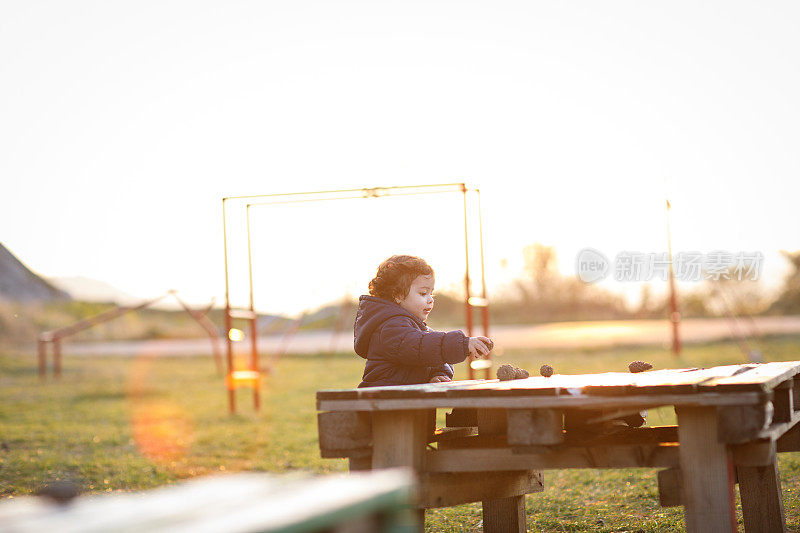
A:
x,y
248,502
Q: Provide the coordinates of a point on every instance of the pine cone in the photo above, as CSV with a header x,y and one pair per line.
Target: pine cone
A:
x,y
639,366
506,373
635,420
521,373
546,371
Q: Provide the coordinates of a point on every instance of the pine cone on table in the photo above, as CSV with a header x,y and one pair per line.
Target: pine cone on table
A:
x,y
639,366
506,372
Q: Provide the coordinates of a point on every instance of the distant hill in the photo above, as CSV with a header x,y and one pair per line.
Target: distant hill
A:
x,y
18,283
92,290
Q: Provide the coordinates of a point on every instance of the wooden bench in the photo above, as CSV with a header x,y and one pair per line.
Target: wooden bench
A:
x,y
250,502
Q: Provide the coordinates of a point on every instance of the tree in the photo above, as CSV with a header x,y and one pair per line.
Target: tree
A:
x,y
541,267
788,302
544,294
730,295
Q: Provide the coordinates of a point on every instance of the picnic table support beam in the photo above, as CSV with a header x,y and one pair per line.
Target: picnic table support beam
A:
x,y
446,489
535,427
360,464
783,401
399,438
706,472
762,503
501,515
789,441
669,487
504,515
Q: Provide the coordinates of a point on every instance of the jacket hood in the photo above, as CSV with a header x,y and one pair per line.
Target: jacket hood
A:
x,y
372,312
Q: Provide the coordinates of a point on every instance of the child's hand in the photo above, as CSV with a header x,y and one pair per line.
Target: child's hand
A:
x,y
480,346
439,379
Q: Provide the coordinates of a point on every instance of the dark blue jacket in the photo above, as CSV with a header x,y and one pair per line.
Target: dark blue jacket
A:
x,y
401,349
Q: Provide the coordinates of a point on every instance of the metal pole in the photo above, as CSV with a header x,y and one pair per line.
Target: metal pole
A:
x,y
213,335
485,308
42,352
253,317
57,358
674,316
467,306
228,323
367,192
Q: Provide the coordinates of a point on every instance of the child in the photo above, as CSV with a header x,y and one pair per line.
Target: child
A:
x,y
391,334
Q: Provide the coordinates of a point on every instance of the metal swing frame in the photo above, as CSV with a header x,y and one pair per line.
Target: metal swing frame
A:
x,y
252,376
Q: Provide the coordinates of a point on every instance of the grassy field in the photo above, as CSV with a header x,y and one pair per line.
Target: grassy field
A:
x,y
121,424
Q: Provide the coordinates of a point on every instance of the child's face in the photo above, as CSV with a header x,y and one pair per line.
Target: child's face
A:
x,y
419,300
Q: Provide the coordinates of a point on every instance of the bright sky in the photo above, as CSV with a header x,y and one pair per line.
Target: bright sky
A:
x,y
123,124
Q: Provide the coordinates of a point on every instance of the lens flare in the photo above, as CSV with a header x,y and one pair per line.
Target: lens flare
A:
x,y
480,364
161,430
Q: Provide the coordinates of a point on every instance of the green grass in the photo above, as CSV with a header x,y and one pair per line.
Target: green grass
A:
x,y
120,424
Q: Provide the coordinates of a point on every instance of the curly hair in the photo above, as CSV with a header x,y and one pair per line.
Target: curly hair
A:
x,y
395,276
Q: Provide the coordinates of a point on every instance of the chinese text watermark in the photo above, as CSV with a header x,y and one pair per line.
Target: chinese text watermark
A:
x,y
591,265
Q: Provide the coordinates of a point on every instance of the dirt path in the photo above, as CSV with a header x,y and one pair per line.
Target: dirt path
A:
x,y
555,335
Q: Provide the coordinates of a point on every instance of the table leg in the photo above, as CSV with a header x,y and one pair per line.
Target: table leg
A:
x,y
706,471
504,515
762,503
399,439
359,464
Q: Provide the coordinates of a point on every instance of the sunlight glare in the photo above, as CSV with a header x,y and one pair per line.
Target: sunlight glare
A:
x,y
480,364
162,430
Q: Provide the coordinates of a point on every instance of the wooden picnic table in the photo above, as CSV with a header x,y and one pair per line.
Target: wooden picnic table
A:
x,y
732,420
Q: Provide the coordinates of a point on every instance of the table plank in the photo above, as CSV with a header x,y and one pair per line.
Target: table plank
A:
x,y
751,377
667,381
395,391
564,401
760,377
729,378
533,386
556,385
456,488
656,455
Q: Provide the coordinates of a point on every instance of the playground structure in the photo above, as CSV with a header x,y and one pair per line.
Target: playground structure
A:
x,y
53,338
250,377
